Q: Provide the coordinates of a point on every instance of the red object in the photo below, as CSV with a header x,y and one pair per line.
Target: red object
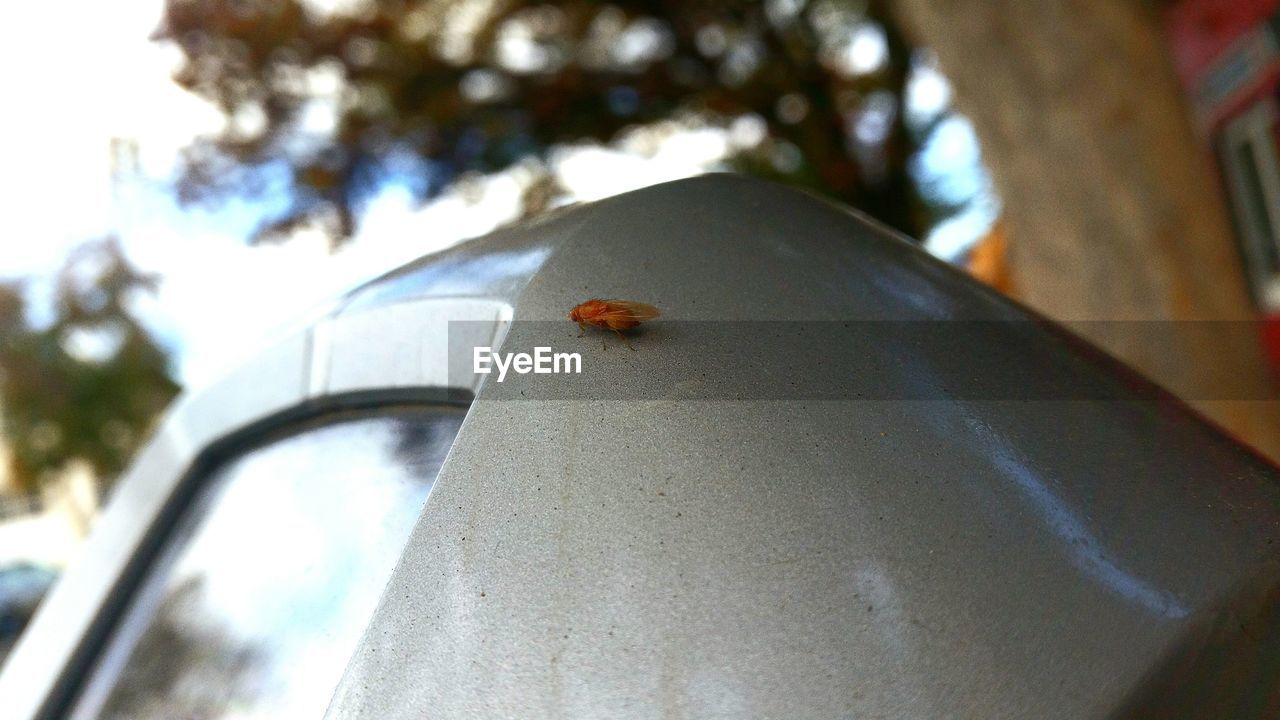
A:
x,y
1270,332
1202,29
1225,54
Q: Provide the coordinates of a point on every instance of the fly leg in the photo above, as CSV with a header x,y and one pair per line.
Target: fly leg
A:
x,y
582,329
624,338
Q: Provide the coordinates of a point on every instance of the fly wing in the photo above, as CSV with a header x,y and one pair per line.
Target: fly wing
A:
x,y
627,310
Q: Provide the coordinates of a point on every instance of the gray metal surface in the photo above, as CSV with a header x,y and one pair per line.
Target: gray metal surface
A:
x,y
817,558
707,547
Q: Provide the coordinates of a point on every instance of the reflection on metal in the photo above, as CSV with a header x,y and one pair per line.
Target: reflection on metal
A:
x,y
463,271
1086,550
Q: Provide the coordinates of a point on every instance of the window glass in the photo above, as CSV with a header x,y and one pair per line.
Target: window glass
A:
x,y
270,575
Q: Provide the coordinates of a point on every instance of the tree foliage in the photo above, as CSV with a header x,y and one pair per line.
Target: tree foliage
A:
x,y
328,106
86,386
325,108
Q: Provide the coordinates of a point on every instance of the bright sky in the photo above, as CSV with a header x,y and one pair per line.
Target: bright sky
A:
x,y
218,295
63,111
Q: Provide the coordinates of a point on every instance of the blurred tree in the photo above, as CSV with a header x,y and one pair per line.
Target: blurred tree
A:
x,y
87,386
329,106
1112,207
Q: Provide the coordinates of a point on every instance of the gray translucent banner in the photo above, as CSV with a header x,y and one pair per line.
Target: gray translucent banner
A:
x,y
840,360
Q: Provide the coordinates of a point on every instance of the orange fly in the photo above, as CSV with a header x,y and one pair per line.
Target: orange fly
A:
x,y
615,315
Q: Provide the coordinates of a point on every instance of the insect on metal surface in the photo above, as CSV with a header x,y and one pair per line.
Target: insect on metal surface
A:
x,y
615,315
